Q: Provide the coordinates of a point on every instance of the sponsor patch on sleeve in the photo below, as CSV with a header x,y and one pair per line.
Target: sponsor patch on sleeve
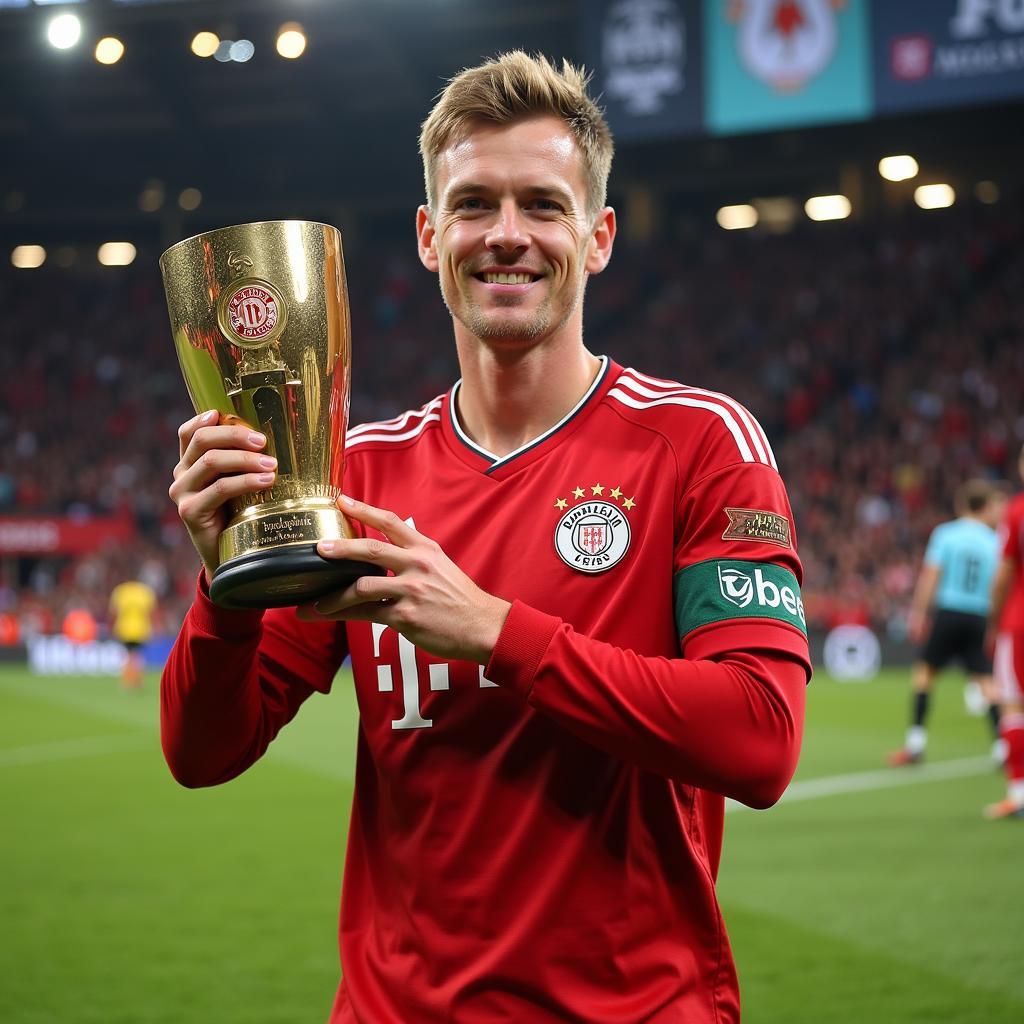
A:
x,y
722,589
757,525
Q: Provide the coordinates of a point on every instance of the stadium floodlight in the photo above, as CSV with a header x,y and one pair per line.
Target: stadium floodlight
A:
x,y
934,197
735,218
223,52
190,199
28,257
241,51
204,44
109,50
116,254
64,31
898,168
291,40
151,198
828,208
987,192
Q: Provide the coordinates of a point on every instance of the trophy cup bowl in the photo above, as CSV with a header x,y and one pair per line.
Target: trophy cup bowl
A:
x,y
260,319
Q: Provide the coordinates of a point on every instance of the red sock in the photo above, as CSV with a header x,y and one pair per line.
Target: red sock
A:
x,y
1012,730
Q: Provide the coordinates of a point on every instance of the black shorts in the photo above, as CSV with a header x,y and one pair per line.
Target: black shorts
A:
x,y
957,635
131,645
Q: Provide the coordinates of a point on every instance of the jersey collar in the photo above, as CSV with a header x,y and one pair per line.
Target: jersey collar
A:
x,y
492,465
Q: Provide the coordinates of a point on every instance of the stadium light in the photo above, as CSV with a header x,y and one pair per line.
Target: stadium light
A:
x,y
828,208
28,257
223,52
898,168
934,197
241,51
151,198
987,192
190,199
116,254
204,44
736,218
64,31
109,50
291,40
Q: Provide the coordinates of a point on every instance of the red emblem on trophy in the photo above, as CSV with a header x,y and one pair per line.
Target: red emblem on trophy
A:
x,y
252,312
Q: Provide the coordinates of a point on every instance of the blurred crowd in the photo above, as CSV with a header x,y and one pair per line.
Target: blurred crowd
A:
x,y
885,360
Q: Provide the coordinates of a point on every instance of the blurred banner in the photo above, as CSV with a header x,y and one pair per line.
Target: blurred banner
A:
x,y
646,56
54,535
773,63
940,53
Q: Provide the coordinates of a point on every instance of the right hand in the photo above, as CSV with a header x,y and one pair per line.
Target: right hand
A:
x,y
217,462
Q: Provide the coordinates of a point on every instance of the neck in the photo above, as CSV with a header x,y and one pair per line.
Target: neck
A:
x,y
507,398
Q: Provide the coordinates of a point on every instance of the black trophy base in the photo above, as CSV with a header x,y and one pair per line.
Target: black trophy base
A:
x,y
283,578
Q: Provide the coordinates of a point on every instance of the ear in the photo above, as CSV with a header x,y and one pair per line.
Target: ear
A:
x,y
599,249
425,235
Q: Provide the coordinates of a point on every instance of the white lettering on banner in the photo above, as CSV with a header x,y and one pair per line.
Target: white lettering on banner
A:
x,y
40,536
972,17
989,58
57,655
438,675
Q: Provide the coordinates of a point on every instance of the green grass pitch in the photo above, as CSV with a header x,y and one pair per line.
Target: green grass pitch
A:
x,y
127,900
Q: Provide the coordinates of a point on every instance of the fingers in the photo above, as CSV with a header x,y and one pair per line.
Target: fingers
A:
x,y
208,438
220,463
396,530
189,427
377,552
363,599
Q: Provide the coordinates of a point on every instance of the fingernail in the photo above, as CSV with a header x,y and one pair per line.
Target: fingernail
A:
x,y
268,461
346,500
257,439
265,478
208,416
327,546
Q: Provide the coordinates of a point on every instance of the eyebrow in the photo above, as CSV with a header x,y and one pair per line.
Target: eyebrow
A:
x,y
536,191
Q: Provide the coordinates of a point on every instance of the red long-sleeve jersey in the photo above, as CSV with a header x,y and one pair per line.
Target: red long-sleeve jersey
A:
x,y
537,839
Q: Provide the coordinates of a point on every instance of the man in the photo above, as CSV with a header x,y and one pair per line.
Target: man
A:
x,y
955,579
1006,627
132,604
592,631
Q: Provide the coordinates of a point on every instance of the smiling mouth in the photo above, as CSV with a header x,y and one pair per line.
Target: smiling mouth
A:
x,y
498,277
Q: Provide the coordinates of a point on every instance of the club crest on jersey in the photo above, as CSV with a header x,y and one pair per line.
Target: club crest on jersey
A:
x,y
593,533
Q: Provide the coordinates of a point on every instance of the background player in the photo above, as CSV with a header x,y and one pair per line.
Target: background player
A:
x,y
132,604
1006,619
955,581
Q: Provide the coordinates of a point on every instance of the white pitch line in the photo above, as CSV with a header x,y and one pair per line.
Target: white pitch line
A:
x,y
862,782
59,750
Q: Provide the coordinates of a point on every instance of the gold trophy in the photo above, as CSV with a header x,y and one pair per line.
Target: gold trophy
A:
x,y
260,319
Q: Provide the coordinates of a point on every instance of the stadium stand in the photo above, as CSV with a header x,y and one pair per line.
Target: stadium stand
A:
x,y
883,383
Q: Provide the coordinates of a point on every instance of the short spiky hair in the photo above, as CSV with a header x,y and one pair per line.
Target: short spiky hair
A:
x,y
512,87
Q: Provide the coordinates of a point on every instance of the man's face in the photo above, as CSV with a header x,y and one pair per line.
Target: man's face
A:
x,y
510,237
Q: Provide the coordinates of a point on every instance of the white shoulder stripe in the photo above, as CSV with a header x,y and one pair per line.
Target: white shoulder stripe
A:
x,y
694,403
354,442
398,422
754,430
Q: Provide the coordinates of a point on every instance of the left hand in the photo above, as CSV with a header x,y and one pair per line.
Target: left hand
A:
x,y
429,599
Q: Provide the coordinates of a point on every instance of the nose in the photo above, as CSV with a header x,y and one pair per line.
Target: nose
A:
x,y
506,232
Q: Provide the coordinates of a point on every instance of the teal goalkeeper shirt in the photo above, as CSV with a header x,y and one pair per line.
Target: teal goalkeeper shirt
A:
x,y
966,552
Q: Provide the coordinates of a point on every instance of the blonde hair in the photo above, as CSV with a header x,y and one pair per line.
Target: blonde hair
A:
x,y
512,87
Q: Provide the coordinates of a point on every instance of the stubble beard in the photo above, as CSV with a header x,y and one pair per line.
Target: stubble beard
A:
x,y
491,327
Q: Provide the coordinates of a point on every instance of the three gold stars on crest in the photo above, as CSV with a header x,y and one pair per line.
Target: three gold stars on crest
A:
x,y
596,490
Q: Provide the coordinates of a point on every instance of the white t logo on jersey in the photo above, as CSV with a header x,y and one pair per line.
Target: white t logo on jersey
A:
x,y
437,674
